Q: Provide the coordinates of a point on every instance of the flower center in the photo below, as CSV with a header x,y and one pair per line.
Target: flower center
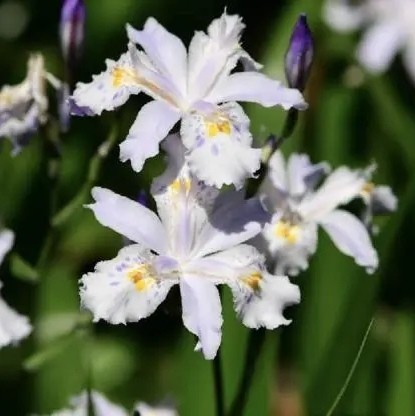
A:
x,y
180,185
142,277
121,76
253,280
367,189
287,231
217,125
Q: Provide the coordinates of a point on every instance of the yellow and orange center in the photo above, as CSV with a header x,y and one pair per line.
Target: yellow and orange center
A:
x,y
367,189
220,125
253,280
287,231
121,76
141,277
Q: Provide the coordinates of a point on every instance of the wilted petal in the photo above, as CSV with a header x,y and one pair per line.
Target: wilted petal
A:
x,y
6,243
380,44
153,123
258,88
165,50
219,145
13,326
109,89
129,218
125,289
202,313
351,238
340,187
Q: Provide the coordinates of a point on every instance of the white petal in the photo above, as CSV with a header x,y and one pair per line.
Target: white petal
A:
x,y
380,44
202,313
351,238
232,222
290,245
153,123
165,50
101,405
13,326
258,88
277,173
125,289
344,17
109,89
263,306
340,187
6,243
145,410
219,145
383,200
129,218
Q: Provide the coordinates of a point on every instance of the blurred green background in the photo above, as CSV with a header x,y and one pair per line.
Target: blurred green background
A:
x,y
353,119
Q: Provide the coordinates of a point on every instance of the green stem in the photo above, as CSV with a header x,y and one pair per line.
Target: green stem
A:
x,y
219,389
256,341
352,370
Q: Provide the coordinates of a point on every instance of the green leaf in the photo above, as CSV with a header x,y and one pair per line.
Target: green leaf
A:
x,y
21,269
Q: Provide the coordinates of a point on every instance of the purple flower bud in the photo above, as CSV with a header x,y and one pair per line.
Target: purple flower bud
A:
x,y
72,30
299,56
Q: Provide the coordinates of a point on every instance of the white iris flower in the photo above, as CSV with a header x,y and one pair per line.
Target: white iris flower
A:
x,y
388,25
299,208
194,86
195,242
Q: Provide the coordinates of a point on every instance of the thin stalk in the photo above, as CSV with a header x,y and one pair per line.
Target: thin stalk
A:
x,y
218,382
352,370
256,341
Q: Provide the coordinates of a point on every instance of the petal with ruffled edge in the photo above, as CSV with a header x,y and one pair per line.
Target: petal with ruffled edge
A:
x,y
13,326
258,88
233,221
108,90
129,218
6,243
152,125
289,244
380,45
340,187
165,50
219,145
125,289
351,238
202,313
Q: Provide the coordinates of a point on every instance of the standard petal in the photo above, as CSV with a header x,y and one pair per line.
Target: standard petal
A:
x,y
165,50
108,90
152,125
260,300
340,187
6,243
202,313
129,218
219,146
232,222
125,289
380,44
289,245
258,88
351,238
13,326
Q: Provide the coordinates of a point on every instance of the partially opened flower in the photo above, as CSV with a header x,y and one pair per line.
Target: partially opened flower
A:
x,y
195,242
13,326
194,86
23,107
388,28
300,207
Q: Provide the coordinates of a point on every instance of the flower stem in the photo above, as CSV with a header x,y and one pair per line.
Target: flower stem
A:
x,y
352,370
218,380
256,341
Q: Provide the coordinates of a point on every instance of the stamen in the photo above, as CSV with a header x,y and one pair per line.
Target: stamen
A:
x,y
142,277
287,231
253,280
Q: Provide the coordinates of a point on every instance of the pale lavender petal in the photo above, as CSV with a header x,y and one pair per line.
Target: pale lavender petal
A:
x,y
6,243
351,238
129,218
152,125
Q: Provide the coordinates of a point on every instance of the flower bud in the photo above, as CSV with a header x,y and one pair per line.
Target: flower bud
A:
x,y
72,30
299,56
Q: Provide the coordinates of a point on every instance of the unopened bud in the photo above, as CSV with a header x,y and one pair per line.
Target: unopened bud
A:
x,y
72,30
299,56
